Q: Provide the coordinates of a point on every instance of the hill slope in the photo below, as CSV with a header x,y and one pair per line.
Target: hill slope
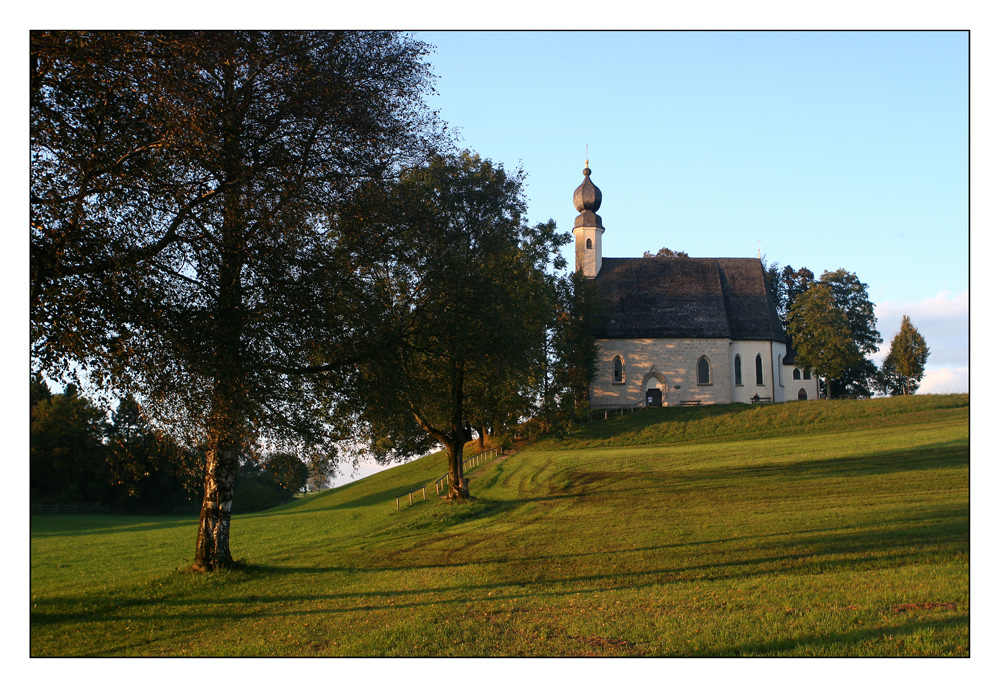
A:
x,y
816,528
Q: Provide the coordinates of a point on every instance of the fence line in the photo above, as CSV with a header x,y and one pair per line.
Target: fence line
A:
x,y
467,464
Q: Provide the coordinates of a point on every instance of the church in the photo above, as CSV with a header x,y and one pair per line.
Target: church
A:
x,y
682,331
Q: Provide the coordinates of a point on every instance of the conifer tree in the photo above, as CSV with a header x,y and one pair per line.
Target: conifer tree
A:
x,y
903,367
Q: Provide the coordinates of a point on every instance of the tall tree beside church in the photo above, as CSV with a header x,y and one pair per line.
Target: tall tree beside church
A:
x,y
785,284
903,367
501,396
850,297
574,349
472,298
181,186
822,335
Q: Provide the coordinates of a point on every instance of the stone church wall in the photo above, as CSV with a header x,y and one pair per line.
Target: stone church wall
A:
x,y
670,365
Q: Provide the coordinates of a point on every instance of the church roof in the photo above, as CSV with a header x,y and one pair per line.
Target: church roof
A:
x,y
685,298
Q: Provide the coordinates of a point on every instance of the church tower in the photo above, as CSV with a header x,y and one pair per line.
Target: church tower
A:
x,y
587,229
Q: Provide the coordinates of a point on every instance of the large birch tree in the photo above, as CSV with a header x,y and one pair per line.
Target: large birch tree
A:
x,y
182,189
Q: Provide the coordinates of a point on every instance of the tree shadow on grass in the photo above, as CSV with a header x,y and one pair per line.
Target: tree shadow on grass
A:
x,y
942,455
809,553
812,645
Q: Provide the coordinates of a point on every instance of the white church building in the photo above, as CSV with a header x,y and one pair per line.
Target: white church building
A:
x,y
676,330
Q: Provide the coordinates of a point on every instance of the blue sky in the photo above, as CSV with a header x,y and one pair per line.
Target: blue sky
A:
x,y
830,149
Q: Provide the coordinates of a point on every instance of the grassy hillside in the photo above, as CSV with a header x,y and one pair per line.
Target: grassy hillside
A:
x,y
815,528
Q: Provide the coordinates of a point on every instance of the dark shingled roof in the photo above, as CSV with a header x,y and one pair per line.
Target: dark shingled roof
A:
x,y
685,297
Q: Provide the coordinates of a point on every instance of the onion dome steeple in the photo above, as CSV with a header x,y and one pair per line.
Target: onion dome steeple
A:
x,y
587,229
587,199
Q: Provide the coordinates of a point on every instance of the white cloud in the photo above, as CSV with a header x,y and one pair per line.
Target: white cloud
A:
x,y
945,381
943,320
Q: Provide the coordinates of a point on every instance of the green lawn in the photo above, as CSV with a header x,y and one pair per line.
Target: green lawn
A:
x,y
806,529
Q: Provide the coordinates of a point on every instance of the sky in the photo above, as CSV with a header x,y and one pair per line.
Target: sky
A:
x,y
818,149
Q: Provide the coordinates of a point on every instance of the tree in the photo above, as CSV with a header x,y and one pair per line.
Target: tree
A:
x,y
183,187
785,285
903,367
665,253
822,335
573,353
851,298
469,288
68,452
288,472
146,468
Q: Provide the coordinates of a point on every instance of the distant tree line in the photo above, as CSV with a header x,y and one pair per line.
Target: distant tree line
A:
x,y
82,455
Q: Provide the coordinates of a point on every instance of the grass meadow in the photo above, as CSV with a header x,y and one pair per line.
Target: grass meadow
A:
x,y
813,529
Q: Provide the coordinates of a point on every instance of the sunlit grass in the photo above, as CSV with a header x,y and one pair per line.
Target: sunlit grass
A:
x,y
648,535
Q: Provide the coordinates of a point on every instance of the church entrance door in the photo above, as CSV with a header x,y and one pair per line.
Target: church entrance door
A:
x,y
654,397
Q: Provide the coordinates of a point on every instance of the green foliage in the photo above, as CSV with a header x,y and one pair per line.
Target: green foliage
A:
x,y
67,449
78,457
183,188
270,483
665,253
785,285
288,472
903,367
572,356
850,297
147,469
843,339
465,286
822,334
843,538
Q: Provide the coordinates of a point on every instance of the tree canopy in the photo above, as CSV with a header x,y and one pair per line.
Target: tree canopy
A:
x,y
78,457
665,253
850,297
468,288
822,334
903,367
183,186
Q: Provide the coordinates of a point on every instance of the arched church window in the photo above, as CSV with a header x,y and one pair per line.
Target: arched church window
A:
x,y
738,370
807,375
704,372
618,370
760,370
590,244
802,395
796,375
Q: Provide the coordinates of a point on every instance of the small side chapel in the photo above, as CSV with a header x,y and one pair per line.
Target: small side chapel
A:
x,y
676,331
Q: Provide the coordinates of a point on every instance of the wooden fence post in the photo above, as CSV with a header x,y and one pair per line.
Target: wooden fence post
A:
x,y
397,503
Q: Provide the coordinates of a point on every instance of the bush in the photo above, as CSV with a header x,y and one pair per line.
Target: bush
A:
x,y
254,493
